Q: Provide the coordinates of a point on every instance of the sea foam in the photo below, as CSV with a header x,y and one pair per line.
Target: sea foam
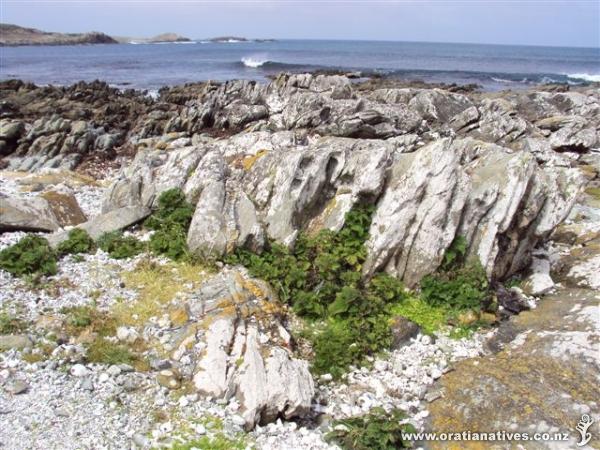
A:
x,y
254,62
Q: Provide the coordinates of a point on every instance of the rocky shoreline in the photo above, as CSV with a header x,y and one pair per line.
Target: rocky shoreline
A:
x,y
213,353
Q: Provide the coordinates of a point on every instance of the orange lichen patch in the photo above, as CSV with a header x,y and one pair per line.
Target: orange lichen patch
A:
x,y
248,162
179,315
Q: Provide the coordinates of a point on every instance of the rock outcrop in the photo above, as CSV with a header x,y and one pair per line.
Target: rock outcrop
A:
x,y
266,161
240,348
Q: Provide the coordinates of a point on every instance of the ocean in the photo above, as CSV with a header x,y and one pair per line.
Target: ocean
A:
x,y
151,66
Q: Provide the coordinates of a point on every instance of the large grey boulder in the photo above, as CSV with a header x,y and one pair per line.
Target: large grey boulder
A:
x,y
241,349
26,214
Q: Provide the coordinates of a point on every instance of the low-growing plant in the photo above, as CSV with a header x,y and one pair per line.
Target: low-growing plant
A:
x,y
171,222
32,255
78,318
10,324
119,246
103,350
79,241
218,441
376,430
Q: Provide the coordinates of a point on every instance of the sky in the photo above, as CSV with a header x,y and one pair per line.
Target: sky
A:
x,y
574,23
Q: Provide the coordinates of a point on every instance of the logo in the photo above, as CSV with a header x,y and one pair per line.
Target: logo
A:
x,y
583,425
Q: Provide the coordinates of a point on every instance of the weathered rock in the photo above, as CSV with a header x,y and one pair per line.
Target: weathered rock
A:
x,y
14,341
114,220
27,214
65,208
236,340
262,185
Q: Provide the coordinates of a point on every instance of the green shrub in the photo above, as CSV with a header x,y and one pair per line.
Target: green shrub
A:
x,y
171,222
218,441
376,430
119,246
79,241
32,255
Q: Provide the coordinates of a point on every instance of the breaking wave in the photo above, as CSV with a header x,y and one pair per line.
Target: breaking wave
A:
x,y
585,76
254,62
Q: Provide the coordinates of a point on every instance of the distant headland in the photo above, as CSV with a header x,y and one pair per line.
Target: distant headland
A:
x,y
15,35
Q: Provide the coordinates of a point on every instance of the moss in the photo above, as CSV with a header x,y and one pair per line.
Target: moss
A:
x,y
594,192
157,286
429,318
88,318
32,255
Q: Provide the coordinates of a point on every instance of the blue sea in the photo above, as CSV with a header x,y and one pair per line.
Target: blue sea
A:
x,y
151,66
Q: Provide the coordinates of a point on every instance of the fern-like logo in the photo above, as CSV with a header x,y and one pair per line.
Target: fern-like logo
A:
x,y
583,425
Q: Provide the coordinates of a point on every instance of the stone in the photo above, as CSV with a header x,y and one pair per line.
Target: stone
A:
x,y
79,370
65,208
16,387
26,214
105,223
403,330
14,342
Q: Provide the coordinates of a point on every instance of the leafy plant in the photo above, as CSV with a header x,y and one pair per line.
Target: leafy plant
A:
x,y
119,246
462,288
171,222
376,430
455,254
79,241
32,255
321,279
218,441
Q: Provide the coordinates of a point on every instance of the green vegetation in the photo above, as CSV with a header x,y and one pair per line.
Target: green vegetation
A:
x,y
119,246
321,279
216,442
376,430
102,350
79,241
458,285
10,324
429,318
171,222
32,255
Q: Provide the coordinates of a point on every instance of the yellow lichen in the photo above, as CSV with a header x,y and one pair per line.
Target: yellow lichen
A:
x,y
249,161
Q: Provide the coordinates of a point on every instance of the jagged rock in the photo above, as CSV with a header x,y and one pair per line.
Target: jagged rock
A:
x,y
241,350
262,185
114,220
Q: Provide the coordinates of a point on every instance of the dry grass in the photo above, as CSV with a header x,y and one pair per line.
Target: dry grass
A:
x,y
157,285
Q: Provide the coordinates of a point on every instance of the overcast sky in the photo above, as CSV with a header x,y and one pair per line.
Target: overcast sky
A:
x,y
534,22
